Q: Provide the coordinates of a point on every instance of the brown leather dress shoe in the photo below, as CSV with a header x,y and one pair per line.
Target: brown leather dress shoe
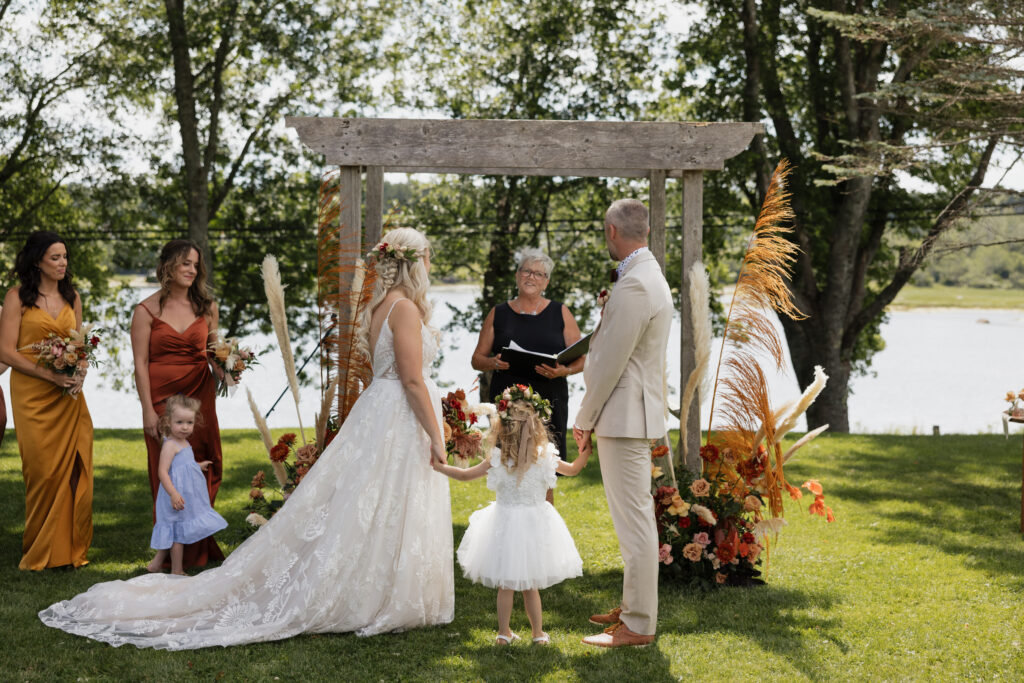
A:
x,y
618,635
606,619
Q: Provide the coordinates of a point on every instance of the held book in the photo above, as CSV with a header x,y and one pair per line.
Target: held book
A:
x,y
522,361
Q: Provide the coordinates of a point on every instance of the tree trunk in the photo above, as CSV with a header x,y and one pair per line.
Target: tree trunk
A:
x,y
809,346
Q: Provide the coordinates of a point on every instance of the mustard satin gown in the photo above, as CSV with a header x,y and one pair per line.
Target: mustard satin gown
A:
x,y
55,439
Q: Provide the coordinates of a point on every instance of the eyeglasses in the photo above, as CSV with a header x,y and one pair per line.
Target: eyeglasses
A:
x,y
539,274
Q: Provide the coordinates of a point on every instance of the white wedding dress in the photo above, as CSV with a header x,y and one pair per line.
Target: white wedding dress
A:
x,y
364,544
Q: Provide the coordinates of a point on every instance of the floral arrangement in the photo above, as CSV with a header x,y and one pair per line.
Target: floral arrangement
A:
x,y
384,250
706,536
602,298
522,392
70,355
461,436
287,473
1012,398
233,359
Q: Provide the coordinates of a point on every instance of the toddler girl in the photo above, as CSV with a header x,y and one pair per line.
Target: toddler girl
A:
x,y
519,542
183,511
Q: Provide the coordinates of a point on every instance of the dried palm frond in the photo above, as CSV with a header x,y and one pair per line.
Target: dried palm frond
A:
x,y
268,441
696,383
761,287
275,300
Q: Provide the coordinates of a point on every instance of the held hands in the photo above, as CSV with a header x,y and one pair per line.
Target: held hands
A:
x,y
177,502
582,438
77,380
63,381
438,456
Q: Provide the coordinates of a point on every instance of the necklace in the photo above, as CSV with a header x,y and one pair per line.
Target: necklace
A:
x,y
540,307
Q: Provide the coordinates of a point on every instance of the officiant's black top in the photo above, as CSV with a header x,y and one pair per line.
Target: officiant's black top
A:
x,y
544,333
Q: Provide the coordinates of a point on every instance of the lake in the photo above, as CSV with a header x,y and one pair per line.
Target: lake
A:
x,y
944,367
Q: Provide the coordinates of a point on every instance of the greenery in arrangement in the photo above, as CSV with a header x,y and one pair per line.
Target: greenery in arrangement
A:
x,y
921,578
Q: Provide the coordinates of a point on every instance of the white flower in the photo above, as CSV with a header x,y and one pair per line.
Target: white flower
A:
x,y
483,409
256,519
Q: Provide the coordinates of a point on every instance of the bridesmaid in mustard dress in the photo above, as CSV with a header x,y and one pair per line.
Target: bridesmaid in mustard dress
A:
x,y
51,418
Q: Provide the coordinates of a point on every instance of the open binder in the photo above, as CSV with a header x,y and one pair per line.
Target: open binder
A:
x,y
522,361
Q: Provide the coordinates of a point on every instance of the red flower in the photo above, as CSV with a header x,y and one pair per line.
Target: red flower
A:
x,y
472,418
684,523
383,247
287,439
709,452
279,452
94,340
659,451
462,416
502,405
522,387
748,537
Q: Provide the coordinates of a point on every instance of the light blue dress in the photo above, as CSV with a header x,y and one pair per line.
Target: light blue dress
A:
x,y
198,520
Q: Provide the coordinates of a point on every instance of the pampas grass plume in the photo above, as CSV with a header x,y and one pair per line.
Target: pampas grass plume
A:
x,y
275,300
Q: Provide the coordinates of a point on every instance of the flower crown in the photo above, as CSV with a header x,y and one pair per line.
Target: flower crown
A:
x,y
521,392
384,250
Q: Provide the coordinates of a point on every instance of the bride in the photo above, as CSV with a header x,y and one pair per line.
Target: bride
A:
x,y
364,543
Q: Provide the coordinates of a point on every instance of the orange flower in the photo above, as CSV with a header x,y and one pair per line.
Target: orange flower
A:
x,y
720,577
817,507
794,492
813,486
260,480
287,439
255,493
659,451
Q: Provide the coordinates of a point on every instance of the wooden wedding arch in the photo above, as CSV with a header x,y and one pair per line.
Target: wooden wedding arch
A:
x,y
616,149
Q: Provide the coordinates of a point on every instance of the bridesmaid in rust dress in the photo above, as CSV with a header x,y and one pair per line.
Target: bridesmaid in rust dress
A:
x,y
171,330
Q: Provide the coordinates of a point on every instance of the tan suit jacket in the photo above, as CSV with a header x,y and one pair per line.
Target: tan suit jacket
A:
x,y
625,369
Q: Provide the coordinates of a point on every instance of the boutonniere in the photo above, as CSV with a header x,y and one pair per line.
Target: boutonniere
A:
x,y
602,298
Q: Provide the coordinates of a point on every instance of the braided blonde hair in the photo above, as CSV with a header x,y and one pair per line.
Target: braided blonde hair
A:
x,y
521,437
398,272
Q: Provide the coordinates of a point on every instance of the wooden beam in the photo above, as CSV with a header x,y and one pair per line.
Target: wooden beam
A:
x,y
472,146
350,194
535,171
693,228
374,204
657,208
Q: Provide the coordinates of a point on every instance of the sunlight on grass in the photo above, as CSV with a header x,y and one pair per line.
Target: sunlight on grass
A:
x,y
920,578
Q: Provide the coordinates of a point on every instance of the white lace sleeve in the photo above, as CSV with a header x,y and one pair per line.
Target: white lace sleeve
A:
x,y
496,470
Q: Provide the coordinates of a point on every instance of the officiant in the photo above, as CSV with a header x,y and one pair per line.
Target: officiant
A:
x,y
536,324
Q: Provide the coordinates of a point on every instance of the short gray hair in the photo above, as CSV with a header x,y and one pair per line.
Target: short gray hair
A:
x,y
630,217
534,255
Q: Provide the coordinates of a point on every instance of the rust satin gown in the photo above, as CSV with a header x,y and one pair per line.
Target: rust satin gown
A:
x,y
178,365
55,440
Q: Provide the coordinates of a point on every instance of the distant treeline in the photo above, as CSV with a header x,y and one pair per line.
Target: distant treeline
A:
x,y
988,253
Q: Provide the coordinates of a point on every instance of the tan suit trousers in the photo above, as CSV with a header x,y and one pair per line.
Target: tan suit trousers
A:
x,y
626,471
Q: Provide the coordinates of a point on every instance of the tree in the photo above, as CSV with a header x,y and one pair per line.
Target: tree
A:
x,y
868,99
45,150
223,74
538,60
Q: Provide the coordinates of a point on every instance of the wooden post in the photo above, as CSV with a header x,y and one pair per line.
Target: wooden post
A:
x,y
657,239
374,204
350,195
693,228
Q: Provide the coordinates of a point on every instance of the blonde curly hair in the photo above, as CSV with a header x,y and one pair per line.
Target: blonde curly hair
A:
x,y
521,437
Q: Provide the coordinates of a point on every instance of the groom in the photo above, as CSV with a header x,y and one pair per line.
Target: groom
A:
x,y
625,406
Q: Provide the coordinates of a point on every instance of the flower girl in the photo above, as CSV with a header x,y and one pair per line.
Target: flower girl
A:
x,y
183,511
519,542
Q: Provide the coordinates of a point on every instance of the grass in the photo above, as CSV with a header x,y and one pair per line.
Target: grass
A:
x,y
958,297
920,578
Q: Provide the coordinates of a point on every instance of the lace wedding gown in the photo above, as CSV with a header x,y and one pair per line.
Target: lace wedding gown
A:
x,y
364,544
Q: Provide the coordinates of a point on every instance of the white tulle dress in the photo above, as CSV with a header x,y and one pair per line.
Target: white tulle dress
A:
x,y
364,544
519,541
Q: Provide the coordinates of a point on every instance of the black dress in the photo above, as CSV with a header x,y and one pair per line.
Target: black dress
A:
x,y
545,333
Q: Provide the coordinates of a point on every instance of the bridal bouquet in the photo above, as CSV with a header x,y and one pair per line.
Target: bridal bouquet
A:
x,y
232,359
1013,399
71,354
461,436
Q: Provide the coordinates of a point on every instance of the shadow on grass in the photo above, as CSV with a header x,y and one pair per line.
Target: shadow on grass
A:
x,y
962,500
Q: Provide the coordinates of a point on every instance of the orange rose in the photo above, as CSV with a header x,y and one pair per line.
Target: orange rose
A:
x,y
221,353
279,453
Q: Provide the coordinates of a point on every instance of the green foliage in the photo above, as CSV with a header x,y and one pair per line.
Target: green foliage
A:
x,y
918,579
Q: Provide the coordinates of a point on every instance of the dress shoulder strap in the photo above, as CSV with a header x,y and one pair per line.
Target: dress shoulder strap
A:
x,y
151,313
388,316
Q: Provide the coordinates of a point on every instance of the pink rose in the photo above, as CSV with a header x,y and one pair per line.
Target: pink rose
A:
x,y
720,577
702,539
665,554
700,488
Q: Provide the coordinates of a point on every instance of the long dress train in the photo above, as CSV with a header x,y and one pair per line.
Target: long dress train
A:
x,y
364,544
55,439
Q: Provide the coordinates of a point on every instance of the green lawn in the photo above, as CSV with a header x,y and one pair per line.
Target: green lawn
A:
x,y
920,578
959,297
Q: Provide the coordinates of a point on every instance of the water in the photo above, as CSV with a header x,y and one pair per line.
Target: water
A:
x,y
945,367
